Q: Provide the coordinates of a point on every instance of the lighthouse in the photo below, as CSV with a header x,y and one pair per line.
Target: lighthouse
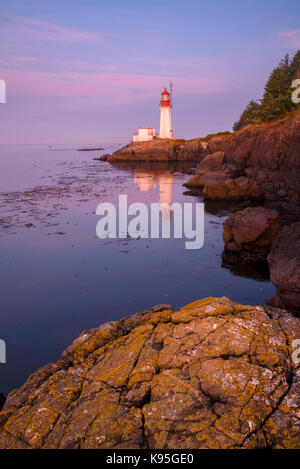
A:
x,y
165,107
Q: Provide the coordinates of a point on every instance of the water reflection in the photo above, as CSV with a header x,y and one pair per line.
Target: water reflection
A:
x,y
159,179
147,181
162,182
53,287
254,270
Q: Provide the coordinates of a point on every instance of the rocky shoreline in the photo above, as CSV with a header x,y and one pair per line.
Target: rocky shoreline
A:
x,y
214,374
259,162
254,235
159,150
256,163
284,264
250,233
259,165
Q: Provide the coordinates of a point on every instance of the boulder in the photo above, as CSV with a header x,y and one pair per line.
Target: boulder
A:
x,y
200,179
212,162
250,232
214,374
211,168
284,264
240,188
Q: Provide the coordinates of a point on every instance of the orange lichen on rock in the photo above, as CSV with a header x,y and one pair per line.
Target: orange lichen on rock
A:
x,y
214,374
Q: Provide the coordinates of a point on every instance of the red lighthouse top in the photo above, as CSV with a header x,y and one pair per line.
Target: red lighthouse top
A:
x,y
165,98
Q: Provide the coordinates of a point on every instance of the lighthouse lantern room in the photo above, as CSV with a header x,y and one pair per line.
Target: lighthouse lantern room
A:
x,y
165,107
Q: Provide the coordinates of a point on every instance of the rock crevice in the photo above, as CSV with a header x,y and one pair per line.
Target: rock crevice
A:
x,y
214,374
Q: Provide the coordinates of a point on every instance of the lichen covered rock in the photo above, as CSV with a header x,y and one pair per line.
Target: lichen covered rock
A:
x,y
214,374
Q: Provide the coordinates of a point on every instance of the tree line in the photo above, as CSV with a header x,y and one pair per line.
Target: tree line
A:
x,y
276,101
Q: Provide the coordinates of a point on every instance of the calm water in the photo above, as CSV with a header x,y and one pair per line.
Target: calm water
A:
x,y
57,278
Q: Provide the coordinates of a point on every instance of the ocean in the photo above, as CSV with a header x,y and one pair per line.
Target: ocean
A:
x,y
58,278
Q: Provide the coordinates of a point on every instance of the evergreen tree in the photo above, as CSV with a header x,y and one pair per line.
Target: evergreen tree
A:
x,y
250,115
276,101
295,65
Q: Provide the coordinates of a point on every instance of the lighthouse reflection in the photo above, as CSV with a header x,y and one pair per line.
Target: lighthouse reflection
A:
x,y
147,181
157,180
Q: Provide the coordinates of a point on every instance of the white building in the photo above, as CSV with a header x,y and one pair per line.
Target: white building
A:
x,y
165,130
144,134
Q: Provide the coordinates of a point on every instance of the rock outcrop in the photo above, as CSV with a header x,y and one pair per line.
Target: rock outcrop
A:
x,y
211,168
103,157
241,188
284,264
250,232
160,150
268,154
214,374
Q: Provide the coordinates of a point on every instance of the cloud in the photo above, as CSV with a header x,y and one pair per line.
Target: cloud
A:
x,y
82,65
28,59
291,38
44,31
119,88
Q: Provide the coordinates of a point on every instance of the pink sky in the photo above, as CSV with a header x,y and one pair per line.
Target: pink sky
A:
x,y
110,63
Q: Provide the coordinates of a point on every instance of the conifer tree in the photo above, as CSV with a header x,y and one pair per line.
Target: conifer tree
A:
x,y
250,115
295,65
276,101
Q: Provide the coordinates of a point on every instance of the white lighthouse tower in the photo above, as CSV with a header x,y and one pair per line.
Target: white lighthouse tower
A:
x,y
165,107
